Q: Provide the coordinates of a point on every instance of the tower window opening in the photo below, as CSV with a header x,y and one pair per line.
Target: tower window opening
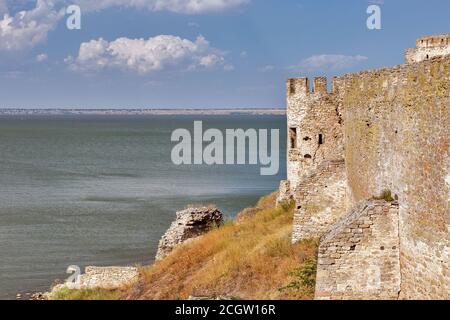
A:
x,y
320,138
293,138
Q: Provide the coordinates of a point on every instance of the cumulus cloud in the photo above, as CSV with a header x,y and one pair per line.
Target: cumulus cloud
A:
x,y
266,68
328,62
179,6
193,25
144,56
229,67
41,57
27,29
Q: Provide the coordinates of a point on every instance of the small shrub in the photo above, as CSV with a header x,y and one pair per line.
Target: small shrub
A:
x,y
287,205
304,277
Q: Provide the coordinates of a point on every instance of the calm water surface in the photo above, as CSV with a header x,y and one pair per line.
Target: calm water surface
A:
x,y
92,190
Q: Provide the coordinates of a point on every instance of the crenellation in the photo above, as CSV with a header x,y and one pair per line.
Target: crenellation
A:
x,y
298,86
433,41
320,86
376,130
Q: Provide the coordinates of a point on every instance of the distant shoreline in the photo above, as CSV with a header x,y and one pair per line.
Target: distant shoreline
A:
x,y
165,112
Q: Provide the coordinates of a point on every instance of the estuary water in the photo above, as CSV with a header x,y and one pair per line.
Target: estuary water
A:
x,y
101,190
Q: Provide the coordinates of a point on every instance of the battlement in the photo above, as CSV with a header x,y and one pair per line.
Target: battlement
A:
x,y
429,47
435,41
297,86
320,85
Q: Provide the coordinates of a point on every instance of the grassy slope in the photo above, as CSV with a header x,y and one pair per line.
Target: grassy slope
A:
x,y
249,259
252,259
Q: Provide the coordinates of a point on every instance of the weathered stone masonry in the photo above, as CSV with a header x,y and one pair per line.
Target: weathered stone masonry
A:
x,y
366,240
377,130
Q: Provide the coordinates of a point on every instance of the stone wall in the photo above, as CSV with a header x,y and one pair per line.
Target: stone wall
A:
x,y
316,170
314,127
108,277
429,47
320,200
359,256
285,193
397,137
391,127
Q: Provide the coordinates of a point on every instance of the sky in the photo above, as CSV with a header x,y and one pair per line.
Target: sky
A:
x,y
195,53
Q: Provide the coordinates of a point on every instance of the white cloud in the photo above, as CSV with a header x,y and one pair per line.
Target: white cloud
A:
x,y
179,6
328,62
145,56
193,25
211,60
27,29
267,68
228,67
41,57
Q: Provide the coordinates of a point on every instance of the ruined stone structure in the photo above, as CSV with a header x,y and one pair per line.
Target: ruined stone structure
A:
x,y
386,129
429,47
107,278
189,224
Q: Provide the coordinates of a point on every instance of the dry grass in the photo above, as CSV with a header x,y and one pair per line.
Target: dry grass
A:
x,y
85,294
249,259
252,259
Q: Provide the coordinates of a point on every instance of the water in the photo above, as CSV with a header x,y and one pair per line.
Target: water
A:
x,y
101,190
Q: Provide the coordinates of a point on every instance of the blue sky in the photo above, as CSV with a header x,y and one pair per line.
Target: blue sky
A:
x,y
195,54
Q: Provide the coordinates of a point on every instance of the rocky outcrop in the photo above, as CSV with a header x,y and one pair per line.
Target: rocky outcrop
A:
x,y
190,223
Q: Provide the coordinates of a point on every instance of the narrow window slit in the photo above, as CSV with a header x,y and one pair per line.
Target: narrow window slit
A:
x,y
320,138
293,137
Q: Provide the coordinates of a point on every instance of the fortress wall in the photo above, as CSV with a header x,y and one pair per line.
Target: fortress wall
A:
x,y
359,255
397,137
